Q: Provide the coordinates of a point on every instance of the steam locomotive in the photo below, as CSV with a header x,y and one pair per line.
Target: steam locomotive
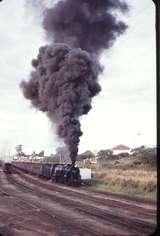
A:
x,y
62,173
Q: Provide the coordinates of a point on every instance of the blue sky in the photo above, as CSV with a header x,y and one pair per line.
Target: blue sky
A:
x,y
125,107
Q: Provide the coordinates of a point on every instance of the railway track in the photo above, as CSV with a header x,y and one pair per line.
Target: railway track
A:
x,y
74,196
80,211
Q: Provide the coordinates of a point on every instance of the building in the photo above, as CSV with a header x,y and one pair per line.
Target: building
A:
x,y
121,149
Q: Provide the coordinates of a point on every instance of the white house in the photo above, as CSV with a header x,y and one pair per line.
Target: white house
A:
x,y
121,149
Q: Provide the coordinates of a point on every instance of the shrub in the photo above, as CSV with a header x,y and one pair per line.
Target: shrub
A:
x,y
150,187
146,156
104,154
137,162
124,154
116,162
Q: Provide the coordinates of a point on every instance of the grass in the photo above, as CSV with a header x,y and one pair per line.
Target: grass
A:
x,y
124,176
128,191
140,183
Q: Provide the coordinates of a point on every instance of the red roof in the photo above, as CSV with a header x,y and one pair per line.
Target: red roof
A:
x,y
121,147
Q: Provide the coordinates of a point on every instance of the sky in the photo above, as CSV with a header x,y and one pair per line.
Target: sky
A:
x,y
123,113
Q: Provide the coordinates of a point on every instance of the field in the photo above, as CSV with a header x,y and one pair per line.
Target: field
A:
x,y
125,175
140,183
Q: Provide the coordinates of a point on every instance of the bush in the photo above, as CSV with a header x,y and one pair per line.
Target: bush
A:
x,y
150,187
146,156
137,162
104,154
116,162
124,154
129,183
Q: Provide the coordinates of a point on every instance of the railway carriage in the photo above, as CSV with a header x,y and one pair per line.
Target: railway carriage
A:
x,y
46,170
28,167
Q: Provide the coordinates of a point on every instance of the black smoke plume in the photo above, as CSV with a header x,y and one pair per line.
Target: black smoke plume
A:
x,y
65,75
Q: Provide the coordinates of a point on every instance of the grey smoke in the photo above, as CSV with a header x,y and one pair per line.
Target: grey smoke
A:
x,y
88,24
65,75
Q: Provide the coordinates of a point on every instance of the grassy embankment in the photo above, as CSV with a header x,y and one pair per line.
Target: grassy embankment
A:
x,y
126,176
140,183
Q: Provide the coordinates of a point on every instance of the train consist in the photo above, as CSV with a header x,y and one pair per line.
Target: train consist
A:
x,y
61,173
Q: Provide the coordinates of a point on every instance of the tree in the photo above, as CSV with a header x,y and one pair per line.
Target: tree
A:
x,y
86,155
33,154
102,154
146,156
19,150
41,154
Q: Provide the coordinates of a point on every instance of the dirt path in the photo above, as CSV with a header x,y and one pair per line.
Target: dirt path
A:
x,y
31,207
